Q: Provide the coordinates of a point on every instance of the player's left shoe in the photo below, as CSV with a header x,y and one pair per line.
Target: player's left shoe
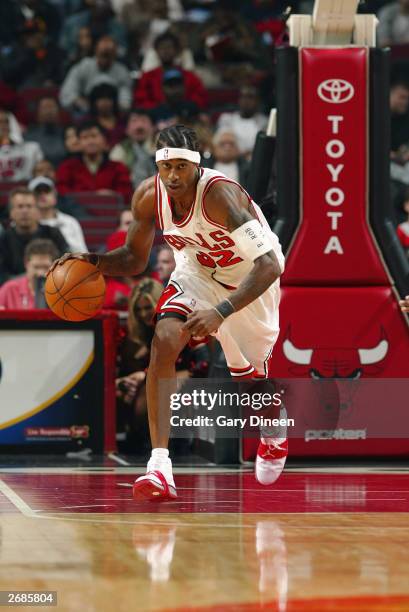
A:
x,y
153,486
270,460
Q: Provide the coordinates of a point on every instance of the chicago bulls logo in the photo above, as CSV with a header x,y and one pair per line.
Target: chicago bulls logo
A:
x,y
336,362
336,373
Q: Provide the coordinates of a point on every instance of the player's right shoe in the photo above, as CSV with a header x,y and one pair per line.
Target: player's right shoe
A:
x,y
153,486
270,460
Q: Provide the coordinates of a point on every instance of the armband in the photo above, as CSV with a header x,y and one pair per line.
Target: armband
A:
x,y
252,240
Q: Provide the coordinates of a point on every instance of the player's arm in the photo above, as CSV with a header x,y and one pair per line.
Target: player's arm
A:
x,y
133,257
227,205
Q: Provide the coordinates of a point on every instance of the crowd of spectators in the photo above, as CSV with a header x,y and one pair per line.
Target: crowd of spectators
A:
x,y
85,85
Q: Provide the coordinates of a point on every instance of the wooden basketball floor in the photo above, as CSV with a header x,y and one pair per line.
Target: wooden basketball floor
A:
x,y
319,540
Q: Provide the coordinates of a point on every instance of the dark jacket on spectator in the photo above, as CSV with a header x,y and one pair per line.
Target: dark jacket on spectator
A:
x,y
74,176
399,131
149,91
51,140
23,67
12,247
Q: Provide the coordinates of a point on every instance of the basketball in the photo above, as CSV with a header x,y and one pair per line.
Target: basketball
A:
x,y
75,290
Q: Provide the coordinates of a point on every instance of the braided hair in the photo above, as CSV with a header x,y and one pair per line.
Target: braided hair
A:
x,y
179,137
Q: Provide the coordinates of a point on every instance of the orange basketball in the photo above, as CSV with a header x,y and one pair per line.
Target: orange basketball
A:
x,y
75,290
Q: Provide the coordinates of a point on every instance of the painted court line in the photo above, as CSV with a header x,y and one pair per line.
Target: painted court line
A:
x,y
16,500
118,459
139,469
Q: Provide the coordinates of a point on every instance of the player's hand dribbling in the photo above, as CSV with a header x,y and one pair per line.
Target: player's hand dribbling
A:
x,y
66,256
201,323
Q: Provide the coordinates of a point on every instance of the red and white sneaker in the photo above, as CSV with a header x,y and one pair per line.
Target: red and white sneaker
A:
x,y
270,460
153,486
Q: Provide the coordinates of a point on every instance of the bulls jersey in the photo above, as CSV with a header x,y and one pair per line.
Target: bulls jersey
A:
x,y
200,244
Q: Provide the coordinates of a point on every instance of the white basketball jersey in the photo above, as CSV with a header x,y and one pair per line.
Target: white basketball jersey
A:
x,y
199,243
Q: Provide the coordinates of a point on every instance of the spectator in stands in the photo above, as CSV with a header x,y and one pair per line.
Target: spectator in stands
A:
x,y
137,150
233,44
246,122
44,11
104,110
165,263
147,19
71,141
227,159
99,18
17,159
403,228
117,238
93,170
175,107
65,203
33,60
84,47
46,199
44,168
184,59
48,131
92,71
15,131
14,14
27,291
12,101
150,92
399,108
134,356
393,26
25,226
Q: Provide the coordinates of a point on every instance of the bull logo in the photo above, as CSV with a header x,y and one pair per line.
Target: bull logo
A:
x,y
336,374
335,362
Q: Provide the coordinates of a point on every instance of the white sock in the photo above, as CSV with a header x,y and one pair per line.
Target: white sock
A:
x,y
160,453
161,461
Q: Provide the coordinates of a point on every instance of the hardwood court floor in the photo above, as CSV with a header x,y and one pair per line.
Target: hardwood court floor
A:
x,y
316,541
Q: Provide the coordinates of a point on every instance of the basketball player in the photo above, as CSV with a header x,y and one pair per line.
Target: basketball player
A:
x,y
226,283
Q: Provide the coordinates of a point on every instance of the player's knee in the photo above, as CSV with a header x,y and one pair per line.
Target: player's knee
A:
x,y
165,347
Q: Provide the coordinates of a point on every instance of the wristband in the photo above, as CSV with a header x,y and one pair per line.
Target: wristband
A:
x,y
224,309
93,258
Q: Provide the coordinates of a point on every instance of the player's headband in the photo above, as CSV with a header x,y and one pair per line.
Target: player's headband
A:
x,y
173,153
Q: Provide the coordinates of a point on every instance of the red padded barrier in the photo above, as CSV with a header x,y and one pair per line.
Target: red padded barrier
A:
x,y
334,245
339,314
